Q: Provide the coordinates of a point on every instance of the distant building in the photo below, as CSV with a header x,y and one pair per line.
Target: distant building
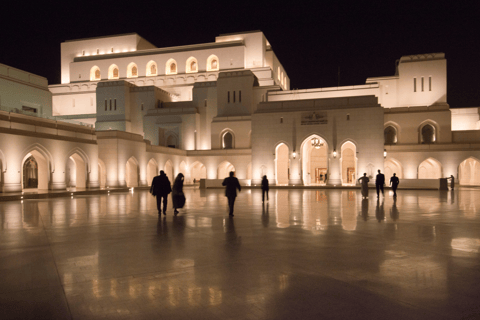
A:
x,y
126,109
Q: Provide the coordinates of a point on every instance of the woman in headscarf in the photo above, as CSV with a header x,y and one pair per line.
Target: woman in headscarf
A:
x,y
178,198
364,182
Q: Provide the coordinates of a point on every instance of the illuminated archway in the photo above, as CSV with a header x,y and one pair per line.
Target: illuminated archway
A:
x,y
469,172
95,74
152,171
282,162
132,70
113,72
314,154
131,172
192,65
213,64
35,173
224,169
430,169
198,171
75,172
152,69
171,67
349,163
392,166
168,169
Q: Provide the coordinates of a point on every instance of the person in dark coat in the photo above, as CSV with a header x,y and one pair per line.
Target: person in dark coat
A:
x,y
379,182
161,188
452,181
178,198
231,183
394,183
265,188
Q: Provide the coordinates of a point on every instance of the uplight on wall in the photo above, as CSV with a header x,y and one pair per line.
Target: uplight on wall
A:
x,y
384,153
294,154
334,153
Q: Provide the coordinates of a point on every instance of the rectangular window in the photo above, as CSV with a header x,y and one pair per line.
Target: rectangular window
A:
x,y
348,116
429,83
115,104
228,96
281,119
110,104
105,104
422,84
239,96
29,109
414,84
142,105
233,96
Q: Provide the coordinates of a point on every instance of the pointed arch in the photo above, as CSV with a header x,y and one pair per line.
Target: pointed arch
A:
x,y
132,70
77,168
132,172
348,160
171,67
113,72
314,163
198,171
282,164
152,170
428,132
45,166
227,139
213,64
430,169
192,65
95,74
224,169
152,69
469,172
168,169
392,166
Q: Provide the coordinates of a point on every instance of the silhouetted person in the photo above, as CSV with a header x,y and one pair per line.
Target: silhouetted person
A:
x,y
231,183
379,211
326,178
321,177
364,182
178,198
394,214
265,188
379,182
394,182
452,181
365,209
161,188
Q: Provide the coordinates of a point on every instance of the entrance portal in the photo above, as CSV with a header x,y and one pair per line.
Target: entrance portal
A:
x,y
281,164
30,173
35,171
314,161
349,163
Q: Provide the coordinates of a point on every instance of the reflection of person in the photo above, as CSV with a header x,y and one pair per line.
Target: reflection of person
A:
x,y
265,216
264,188
231,183
379,182
365,209
178,198
364,182
394,182
394,214
452,181
161,188
379,211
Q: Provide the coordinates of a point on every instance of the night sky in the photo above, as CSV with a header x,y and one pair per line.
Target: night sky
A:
x,y
311,39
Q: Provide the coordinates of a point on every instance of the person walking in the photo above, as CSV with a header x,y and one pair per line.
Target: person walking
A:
x,y
394,183
364,182
231,185
161,188
265,188
178,197
452,182
379,182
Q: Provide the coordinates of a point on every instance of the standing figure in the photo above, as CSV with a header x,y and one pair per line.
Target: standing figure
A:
x,y
326,175
364,181
231,183
178,198
394,183
452,181
264,188
379,182
161,188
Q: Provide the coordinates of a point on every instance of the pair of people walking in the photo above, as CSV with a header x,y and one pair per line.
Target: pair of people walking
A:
x,y
379,184
161,188
231,185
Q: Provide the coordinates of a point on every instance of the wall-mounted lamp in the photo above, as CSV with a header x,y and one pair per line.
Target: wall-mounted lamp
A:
x,y
334,153
384,153
294,154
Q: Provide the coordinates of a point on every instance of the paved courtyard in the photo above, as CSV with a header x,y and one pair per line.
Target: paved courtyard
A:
x,y
306,254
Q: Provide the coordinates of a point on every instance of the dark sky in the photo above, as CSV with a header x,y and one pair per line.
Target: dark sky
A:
x,y
311,39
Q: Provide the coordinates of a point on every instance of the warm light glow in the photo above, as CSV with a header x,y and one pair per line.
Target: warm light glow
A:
x,y
317,143
384,153
334,153
294,154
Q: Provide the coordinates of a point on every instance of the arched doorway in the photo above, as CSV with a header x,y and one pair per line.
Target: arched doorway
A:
x,y
152,171
314,160
392,166
198,171
282,163
75,172
224,169
35,171
131,173
168,169
349,164
102,174
469,172
182,168
430,169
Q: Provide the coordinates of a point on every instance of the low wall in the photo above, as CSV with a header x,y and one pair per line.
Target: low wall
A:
x,y
217,183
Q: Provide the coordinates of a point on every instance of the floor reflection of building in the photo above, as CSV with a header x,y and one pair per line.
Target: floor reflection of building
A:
x,y
282,208
349,210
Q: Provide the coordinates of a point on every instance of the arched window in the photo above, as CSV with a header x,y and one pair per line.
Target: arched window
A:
x,y
212,63
113,72
95,74
171,67
192,65
428,134
172,141
390,135
151,68
227,140
132,70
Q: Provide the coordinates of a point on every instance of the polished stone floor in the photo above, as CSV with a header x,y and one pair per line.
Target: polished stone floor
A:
x,y
306,254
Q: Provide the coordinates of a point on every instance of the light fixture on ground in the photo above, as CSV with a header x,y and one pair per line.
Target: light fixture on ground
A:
x,y
317,143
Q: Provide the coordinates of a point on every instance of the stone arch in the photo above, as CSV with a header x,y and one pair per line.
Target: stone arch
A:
x,y
314,168
282,164
102,173
469,172
227,139
35,173
198,171
76,171
390,133
213,64
171,67
192,65
392,166
348,160
152,69
45,162
168,169
430,169
224,169
171,140
428,132
113,72
152,170
131,172
95,74
132,70
182,168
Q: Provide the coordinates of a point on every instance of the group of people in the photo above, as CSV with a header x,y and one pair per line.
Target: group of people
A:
x,y
379,183
161,188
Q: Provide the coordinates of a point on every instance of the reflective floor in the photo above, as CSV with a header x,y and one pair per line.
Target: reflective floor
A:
x,y
305,254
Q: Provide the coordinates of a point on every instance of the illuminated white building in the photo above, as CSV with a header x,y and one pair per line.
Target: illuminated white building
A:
x,y
207,109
